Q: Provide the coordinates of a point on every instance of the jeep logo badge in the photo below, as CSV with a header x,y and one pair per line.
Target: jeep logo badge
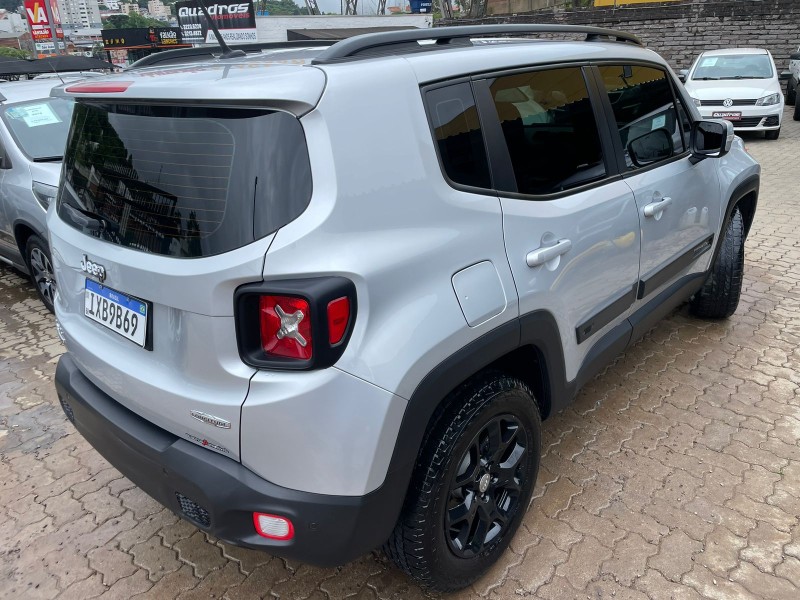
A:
x,y
93,268
210,419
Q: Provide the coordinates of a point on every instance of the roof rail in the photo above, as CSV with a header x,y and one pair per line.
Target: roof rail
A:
x,y
180,55
406,41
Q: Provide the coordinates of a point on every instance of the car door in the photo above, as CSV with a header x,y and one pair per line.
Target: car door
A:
x,y
571,225
677,197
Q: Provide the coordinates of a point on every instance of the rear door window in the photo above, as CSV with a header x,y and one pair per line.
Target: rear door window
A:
x,y
550,130
183,181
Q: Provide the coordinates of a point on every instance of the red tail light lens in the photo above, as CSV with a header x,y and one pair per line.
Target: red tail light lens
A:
x,y
338,317
285,327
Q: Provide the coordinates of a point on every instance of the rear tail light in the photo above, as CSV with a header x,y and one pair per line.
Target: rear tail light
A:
x,y
273,526
285,326
295,324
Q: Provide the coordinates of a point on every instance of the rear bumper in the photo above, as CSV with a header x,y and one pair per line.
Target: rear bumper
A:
x,y
218,494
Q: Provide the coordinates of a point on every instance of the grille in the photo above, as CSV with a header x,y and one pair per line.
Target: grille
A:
x,y
67,409
735,102
193,511
747,122
771,121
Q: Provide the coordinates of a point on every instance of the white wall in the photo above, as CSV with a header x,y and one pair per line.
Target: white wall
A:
x,y
273,29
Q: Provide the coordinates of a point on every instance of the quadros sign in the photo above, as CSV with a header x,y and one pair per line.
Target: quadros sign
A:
x,y
236,22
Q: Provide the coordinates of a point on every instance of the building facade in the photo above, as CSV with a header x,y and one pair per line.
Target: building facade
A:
x,y
158,10
79,14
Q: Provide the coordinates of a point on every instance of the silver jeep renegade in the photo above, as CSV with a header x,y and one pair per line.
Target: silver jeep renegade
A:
x,y
318,299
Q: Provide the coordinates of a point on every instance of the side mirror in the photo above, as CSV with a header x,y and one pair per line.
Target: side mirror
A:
x,y
683,74
712,138
785,75
651,147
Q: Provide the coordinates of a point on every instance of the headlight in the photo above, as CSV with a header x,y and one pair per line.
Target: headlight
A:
x,y
768,100
44,193
697,102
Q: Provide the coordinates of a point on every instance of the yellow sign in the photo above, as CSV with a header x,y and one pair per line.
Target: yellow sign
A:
x,y
624,2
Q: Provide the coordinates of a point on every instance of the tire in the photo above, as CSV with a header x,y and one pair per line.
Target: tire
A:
x,y
791,92
40,267
719,296
451,529
774,134
796,115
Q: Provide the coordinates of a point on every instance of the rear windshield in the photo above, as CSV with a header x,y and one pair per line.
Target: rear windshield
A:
x,y
40,127
183,181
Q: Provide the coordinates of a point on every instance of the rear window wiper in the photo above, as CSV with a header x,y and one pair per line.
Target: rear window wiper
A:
x,y
707,78
48,159
86,218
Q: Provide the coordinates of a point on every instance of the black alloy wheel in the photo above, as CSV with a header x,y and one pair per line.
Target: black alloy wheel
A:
x,y
472,483
485,491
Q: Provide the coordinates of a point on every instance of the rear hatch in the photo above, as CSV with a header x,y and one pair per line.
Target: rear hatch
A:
x,y
164,209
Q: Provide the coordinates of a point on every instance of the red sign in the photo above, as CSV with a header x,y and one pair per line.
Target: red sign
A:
x,y
38,21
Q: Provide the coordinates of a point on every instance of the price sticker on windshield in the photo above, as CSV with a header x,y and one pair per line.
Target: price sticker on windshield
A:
x,y
34,115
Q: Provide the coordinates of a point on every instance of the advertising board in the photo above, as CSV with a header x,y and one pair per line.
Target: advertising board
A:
x,y
236,22
36,12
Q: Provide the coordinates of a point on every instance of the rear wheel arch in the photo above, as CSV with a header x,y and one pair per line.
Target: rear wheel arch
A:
x,y
507,349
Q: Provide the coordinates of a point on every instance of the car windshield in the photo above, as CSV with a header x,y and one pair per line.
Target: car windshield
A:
x,y
734,66
40,127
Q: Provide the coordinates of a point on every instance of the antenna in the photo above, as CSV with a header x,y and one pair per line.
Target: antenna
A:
x,y
226,50
52,66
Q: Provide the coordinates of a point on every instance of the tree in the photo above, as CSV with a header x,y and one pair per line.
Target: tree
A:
x,y
279,7
130,21
13,52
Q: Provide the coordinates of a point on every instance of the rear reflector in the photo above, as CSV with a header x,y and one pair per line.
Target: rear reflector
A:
x,y
273,526
99,87
338,317
285,326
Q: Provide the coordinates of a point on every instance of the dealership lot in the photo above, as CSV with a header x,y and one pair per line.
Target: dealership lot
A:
x,y
676,473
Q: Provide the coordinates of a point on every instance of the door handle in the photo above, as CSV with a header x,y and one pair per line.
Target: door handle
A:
x,y
545,254
656,208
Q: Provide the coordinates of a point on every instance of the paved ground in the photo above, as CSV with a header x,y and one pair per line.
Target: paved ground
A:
x,y
676,474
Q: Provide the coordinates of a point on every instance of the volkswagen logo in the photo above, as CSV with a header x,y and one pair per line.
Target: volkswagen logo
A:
x,y
727,103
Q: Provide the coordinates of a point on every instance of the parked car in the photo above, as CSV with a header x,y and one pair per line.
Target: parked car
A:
x,y
33,133
740,85
793,83
314,330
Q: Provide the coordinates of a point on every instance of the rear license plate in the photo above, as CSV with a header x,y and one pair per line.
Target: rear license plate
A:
x,y
116,311
731,116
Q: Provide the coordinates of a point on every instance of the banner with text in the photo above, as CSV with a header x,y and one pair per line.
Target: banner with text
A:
x,y
36,12
235,21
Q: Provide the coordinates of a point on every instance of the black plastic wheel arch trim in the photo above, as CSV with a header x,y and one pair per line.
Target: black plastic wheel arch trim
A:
x,y
318,292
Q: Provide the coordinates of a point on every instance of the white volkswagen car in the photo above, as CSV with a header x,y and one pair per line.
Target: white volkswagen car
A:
x,y
740,85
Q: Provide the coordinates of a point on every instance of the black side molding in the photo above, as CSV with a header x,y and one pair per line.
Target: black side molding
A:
x,y
599,320
659,278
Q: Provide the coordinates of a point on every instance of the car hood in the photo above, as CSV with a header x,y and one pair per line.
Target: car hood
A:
x,y
47,173
739,89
